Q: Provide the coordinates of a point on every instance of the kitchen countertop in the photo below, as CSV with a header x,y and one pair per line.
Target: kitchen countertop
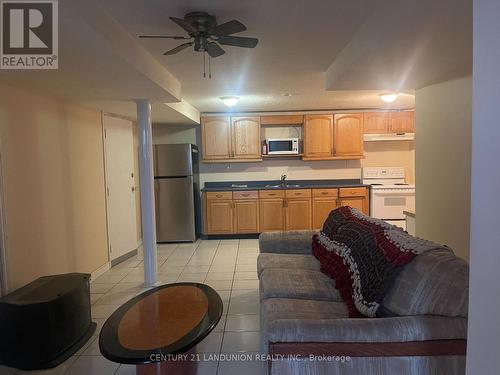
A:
x,y
409,213
269,185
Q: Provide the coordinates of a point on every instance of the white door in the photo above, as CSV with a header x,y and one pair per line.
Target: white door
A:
x,y
120,185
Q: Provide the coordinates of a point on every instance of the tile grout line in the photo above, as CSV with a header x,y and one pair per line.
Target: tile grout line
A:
x,y
229,305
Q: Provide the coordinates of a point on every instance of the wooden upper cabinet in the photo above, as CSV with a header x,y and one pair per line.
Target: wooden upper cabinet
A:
x,y
281,120
402,122
348,135
245,137
216,137
318,136
376,122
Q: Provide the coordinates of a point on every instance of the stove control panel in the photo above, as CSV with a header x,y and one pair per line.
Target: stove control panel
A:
x,y
383,172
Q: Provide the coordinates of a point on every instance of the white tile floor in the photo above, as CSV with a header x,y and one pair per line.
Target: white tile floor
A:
x,y
228,266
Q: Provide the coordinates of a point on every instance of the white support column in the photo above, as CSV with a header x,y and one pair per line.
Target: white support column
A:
x,y
147,190
484,318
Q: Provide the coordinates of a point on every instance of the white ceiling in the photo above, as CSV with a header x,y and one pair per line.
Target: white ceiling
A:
x,y
356,48
300,40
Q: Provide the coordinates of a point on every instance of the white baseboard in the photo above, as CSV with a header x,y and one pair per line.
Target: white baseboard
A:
x,y
98,272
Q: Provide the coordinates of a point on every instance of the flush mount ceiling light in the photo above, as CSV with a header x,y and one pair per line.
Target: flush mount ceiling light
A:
x,y
388,98
229,101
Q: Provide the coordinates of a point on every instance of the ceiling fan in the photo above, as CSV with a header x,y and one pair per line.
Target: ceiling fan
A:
x,y
206,35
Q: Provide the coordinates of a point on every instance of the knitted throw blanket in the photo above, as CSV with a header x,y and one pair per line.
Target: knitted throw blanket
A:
x,y
364,255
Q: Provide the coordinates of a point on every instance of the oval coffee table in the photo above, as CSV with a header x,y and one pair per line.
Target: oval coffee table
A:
x,y
160,324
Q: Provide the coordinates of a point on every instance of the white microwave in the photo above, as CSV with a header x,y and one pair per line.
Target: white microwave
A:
x,y
282,146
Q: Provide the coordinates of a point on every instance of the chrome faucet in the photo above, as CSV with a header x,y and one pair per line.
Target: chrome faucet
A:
x,y
283,178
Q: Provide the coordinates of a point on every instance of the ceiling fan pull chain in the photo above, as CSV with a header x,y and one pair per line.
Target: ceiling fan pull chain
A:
x,y
204,71
209,67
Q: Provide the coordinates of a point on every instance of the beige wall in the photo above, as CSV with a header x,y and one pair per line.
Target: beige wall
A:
x,y
443,144
53,179
163,133
380,154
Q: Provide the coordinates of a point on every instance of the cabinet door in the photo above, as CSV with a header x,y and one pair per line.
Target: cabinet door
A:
x,y
318,136
348,134
219,216
376,122
245,137
361,203
216,140
271,212
321,208
246,216
403,122
298,214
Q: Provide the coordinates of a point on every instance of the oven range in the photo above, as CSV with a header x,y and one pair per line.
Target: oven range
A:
x,y
390,194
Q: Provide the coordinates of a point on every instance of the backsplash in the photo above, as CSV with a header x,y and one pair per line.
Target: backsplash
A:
x,y
377,154
273,169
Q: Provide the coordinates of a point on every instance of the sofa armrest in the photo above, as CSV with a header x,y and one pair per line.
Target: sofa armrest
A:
x,y
381,330
291,242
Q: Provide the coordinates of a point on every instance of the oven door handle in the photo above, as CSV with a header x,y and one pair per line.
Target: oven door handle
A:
x,y
393,192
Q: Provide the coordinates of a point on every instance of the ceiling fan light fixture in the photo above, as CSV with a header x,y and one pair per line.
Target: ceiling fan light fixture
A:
x,y
229,101
389,98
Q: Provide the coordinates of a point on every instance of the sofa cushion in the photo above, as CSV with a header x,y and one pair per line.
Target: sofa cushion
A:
x,y
297,261
364,255
297,283
290,308
289,242
436,282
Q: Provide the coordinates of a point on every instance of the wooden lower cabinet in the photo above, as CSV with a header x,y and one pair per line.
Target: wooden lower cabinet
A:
x,y
272,215
356,202
246,216
277,210
355,197
298,213
321,208
219,216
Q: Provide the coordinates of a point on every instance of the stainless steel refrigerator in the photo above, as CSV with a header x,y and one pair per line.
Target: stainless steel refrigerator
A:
x,y
177,192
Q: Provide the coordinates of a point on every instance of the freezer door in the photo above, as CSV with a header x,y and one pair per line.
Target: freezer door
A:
x,y
175,215
173,160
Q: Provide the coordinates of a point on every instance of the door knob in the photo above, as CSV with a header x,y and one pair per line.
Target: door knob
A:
x,y
133,189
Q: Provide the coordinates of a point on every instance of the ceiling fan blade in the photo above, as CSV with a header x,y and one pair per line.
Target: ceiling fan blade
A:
x,y
238,41
184,24
179,48
214,50
231,27
163,37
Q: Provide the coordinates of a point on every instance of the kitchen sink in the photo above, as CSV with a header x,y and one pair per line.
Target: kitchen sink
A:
x,y
283,186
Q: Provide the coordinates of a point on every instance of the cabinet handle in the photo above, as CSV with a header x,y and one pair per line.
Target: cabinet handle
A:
x,y
285,203
272,194
218,195
298,193
245,195
334,151
324,192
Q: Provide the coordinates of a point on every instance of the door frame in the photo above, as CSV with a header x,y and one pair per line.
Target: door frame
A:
x,y
112,262
4,286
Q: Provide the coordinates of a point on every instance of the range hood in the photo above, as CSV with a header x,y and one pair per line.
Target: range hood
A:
x,y
389,137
